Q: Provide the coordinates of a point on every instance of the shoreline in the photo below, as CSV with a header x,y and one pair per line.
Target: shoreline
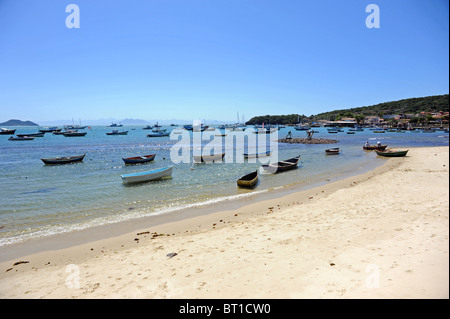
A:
x,y
245,237
106,231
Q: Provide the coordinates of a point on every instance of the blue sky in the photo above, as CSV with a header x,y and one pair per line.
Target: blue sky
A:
x,y
209,59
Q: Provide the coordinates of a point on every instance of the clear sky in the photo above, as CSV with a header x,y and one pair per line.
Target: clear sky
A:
x,y
209,59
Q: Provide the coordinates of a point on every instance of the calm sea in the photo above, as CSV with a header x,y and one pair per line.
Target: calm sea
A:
x,y
40,200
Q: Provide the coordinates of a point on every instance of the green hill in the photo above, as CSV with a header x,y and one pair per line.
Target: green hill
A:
x,y
406,106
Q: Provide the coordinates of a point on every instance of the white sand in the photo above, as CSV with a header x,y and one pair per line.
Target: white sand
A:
x,y
383,234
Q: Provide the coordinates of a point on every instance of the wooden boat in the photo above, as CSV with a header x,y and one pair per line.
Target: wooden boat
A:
x,y
282,166
375,147
139,159
63,160
249,180
158,134
332,151
147,175
209,158
69,134
256,155
32,135
116,132
5,131
23,138
392,153
379,131
350,132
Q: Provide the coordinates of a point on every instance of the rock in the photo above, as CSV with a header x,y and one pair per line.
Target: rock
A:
x,y
171,255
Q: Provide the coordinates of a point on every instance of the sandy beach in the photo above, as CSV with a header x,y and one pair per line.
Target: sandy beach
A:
x,y
382,234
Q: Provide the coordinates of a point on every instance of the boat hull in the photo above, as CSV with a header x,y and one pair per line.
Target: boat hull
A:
x,y
248,181
209,158
282,166
139,159
63,160
257,155
147,176
373,148
332,151
392,153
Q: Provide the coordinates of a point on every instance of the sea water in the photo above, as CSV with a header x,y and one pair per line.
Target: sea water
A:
x,y
40,200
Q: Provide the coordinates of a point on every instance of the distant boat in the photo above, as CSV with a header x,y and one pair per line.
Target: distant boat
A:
x,y
69,134
115,125
23,138
148,127
249,180
208,158
5,131
147,175
392,153
256,155
350,132
63,160
139,159
32,135
332,151
300,127
374,147
378,131
116,132
160,134
431,130
50,129
282,166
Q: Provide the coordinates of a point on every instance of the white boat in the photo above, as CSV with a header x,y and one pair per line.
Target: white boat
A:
x,y
147,175
209,158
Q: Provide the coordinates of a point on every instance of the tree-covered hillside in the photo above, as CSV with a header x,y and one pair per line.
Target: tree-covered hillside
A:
x,y
406,106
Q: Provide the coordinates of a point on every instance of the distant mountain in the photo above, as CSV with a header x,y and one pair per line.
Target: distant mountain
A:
x,y
18,123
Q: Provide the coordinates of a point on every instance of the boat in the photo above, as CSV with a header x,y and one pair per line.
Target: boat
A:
x,y
428,130
374,147
117,132
256,155
69,134
63,160
139,159
32,135
160,134
115,125
332,151
50,129
208,158
392,153
147,175
5,131
282,166
148,127
379,131
23,138
350,132
249,180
